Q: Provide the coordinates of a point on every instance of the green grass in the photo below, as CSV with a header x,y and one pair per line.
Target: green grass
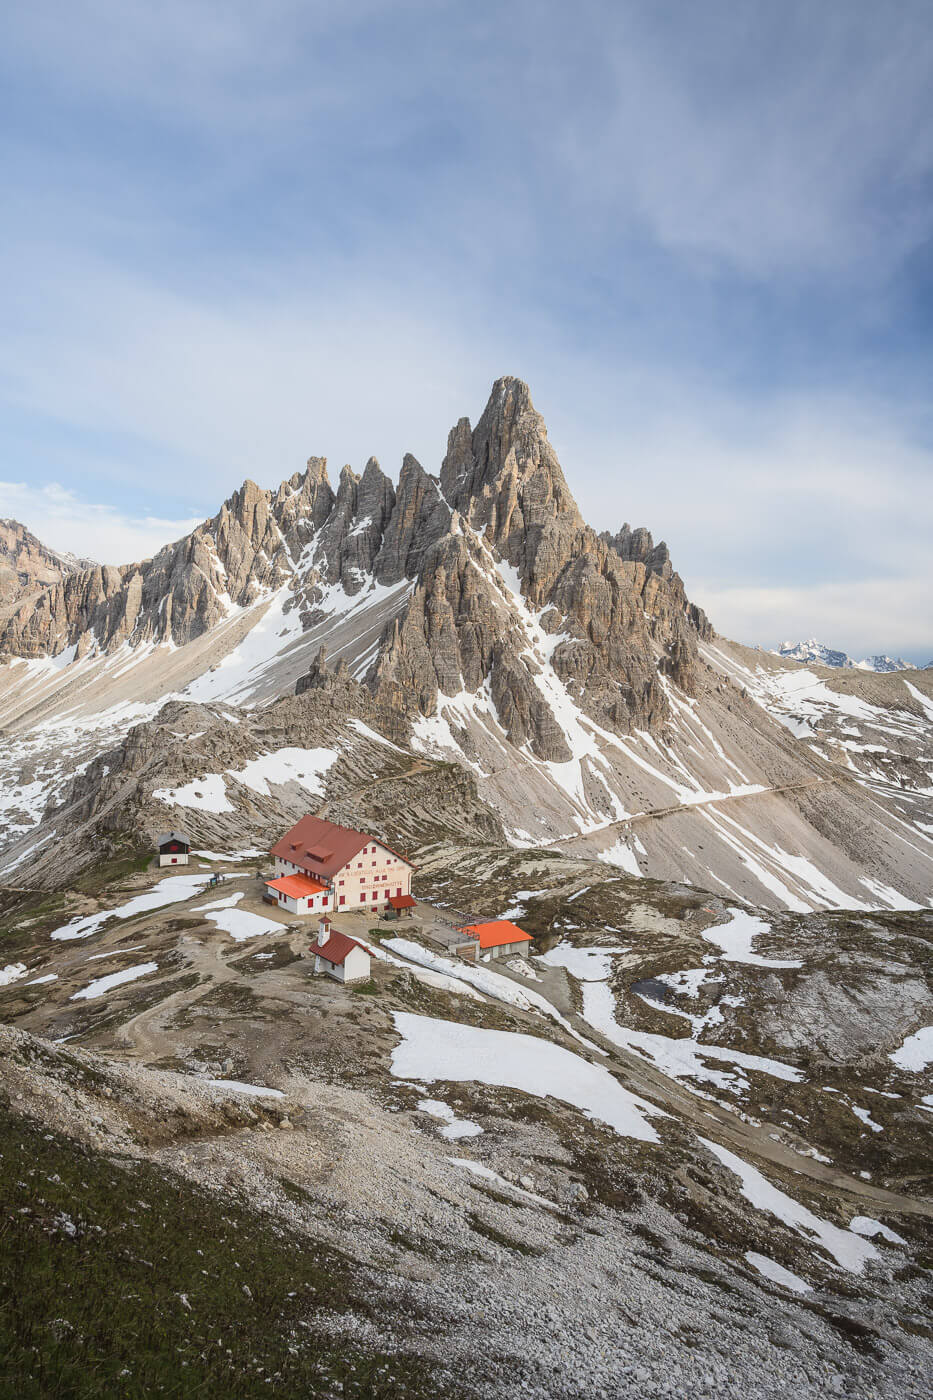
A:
x,y
118,1279
482,1227
106,872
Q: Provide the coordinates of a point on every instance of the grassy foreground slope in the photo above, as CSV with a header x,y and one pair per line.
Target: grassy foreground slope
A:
x,y
117,1279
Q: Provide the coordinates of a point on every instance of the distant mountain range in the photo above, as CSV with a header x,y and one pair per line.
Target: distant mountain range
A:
x,y
813,650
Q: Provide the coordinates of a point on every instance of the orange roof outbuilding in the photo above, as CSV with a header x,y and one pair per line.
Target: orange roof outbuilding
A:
x,y
497,933
296,886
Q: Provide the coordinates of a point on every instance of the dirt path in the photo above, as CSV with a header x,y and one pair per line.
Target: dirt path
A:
x,y
418,765
658,813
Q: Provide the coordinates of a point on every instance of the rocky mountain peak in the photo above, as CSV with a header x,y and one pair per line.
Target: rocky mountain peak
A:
x,y
639,545
504,477
491,553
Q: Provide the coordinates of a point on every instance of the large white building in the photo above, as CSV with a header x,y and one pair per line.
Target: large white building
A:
x,y
321,867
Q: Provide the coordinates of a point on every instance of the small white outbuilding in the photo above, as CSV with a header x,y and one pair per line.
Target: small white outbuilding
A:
x,y
340,956
173,848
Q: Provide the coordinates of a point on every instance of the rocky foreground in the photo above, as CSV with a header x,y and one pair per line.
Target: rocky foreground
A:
x,y
300,1188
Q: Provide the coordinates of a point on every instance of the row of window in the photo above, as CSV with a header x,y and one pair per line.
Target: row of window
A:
x,y
376,878
342,899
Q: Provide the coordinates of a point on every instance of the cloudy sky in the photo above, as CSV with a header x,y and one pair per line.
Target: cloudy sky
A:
x,y
236,234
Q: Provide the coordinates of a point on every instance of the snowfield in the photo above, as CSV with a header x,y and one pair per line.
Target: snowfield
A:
x,y
306,767
439,1051
240,923
103,985
682,1058
736,937
679,1058
768,1268
172,890
916,1052
850,1250
484,980
454,1127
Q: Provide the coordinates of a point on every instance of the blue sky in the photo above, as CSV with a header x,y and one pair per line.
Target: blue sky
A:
x,y
235,235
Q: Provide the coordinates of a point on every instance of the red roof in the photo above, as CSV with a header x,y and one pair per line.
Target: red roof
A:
x,y
401,901
322,848
495,934
296,886
336,948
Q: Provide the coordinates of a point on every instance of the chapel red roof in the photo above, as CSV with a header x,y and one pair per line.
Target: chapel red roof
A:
x,y
336,948
322,848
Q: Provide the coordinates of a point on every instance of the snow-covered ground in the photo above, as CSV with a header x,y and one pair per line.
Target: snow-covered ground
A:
x,y
770,1269
735,940
239,923
493,984
487,1174
306,767
888,748
916,1052
454,1127
681,1058
437,1051
173,890
849,1249
102,985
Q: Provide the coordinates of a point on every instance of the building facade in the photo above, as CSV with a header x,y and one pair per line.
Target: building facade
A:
x,y
173,848
299,894
348,869
338,956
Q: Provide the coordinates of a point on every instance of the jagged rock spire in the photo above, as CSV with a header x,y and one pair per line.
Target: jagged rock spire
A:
x,y
504,477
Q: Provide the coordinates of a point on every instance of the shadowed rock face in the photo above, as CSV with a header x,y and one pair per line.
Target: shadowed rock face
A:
x,y
613,606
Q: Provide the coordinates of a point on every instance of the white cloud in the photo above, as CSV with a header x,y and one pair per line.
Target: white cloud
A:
x,y
63,521
864,618
600,161
782,137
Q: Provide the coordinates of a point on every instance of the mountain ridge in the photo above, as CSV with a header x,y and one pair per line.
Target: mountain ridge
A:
x,y
470,618
816,651
503,480
27,565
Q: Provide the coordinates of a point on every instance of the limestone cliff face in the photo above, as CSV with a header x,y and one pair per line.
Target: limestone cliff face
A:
x,y
27,566
508,584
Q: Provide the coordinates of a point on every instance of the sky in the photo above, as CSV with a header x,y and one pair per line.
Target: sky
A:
x,y
236,235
